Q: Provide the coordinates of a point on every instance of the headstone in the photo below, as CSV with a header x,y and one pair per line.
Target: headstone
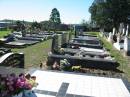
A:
x,y
64,39
74,27
123,32
118,38
118,45
114,31
127,30
127,46
102,32
121,28
110,38
70,36
54,47
22,60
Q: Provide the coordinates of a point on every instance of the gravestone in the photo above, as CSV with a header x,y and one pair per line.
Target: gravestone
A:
x,y
127,46
118,38
54,47
110,38
121,28
64,39
114,31
118,45
101,32
70,36
114,35
123,32
127,30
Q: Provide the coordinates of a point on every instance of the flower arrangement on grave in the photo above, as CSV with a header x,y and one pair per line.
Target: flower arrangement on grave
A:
x,y
76,68
13,85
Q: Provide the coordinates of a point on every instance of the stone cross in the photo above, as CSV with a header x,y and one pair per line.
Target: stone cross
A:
x,y
62,92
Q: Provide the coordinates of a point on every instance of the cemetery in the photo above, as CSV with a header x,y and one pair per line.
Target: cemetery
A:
x,y
119,40
73,60
8,58
84,51
16,39
68,58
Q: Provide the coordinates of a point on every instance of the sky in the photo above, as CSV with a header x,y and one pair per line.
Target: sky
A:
x,y
71,11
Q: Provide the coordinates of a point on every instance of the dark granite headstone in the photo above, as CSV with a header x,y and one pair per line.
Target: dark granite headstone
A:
x,y
54,47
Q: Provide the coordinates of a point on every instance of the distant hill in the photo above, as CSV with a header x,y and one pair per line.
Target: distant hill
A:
x,y
13,21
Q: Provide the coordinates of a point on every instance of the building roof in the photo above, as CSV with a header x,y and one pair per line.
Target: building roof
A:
x,y
61,84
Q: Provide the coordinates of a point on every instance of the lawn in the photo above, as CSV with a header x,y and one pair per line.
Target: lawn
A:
x,y
36,53
4,33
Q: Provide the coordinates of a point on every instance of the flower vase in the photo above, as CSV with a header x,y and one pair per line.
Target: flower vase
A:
x,y
18,95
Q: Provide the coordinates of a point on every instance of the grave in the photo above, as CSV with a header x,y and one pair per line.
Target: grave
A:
x,y
88,57
82,41
15,40
85,41
8,58
64,84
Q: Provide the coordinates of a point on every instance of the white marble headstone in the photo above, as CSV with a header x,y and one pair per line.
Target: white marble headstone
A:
x,y
127,30
114,31
110,38
123,31
126,44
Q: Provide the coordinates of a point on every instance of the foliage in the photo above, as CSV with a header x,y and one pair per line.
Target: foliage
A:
x,y
19,26
35,25
110,13
76,68
65,65
55,18
47,26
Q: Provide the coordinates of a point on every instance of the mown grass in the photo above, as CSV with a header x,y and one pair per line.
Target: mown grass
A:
x,y
93,33
35,54
4,33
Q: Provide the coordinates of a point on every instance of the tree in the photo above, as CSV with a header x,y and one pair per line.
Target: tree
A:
x,y
45,25
20,26
35,26
55,18
109,13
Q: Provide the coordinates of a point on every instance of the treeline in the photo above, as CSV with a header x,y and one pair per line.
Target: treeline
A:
x,y
110,13
53,24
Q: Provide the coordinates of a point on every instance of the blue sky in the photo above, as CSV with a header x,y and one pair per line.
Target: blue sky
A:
x,y
71,11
